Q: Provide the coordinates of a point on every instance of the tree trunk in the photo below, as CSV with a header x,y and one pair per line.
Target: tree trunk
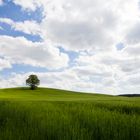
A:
x,y
32,87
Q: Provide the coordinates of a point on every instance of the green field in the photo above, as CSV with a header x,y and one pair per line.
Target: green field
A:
x,y
48,114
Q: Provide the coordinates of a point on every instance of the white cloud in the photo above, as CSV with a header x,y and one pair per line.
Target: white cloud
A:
x,y
27,26
1,2
19,50
7,21
4,64
69,24
81,25
91,26
67,80
26,4
133,36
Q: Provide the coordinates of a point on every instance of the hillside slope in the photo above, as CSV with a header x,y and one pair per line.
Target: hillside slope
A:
x,y
46,94
63,115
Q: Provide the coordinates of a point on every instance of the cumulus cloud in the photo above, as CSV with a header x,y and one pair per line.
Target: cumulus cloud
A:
x,y
89,27
133,36
20,50
28,5
80,26
7,21
27,26
4,64
133,50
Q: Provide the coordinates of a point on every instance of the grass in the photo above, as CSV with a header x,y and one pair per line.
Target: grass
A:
x,y
49,114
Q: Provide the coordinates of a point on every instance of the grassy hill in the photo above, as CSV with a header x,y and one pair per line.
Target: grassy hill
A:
x,y
44,94
50,114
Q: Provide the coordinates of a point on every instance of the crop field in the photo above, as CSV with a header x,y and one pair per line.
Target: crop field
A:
x,y
49,114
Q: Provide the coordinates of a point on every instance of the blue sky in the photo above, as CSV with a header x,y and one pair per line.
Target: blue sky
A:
x,y
15,12
70,43
9,10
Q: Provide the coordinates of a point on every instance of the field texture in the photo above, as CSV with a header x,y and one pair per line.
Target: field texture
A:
x,y
48,114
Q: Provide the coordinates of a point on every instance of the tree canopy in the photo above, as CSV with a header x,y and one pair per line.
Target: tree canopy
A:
x,y
33,81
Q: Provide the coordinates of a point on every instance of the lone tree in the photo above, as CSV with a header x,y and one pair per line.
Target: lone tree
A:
x,y
33,81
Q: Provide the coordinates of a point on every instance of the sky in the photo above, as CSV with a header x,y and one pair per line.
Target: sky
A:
x,y
80,45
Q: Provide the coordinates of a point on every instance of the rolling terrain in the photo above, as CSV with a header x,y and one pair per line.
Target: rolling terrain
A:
x,y
50,114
